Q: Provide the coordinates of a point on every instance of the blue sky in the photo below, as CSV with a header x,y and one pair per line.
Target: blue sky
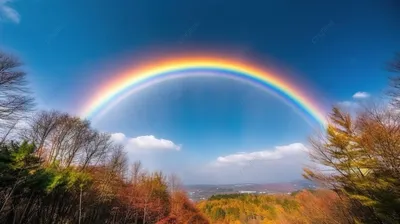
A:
x,y
338,48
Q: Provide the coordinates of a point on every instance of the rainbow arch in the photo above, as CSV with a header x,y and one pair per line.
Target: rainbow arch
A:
x,y
137,79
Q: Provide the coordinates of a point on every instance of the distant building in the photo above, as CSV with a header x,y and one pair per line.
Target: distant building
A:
x,y
247,192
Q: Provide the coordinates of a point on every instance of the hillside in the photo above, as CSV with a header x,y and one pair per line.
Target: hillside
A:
x,y
321,206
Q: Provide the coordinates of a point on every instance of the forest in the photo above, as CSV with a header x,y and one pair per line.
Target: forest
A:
x,y
321,206
56,168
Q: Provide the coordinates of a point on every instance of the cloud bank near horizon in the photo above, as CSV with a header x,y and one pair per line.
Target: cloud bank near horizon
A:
x,y
279,164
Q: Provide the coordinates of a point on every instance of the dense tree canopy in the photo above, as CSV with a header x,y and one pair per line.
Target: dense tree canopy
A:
x,y
304,207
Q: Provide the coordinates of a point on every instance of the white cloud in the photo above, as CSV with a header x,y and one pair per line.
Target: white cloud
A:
x,y
355,103
144,143
347,104
118,138
8,13
280,164
280,152
361,95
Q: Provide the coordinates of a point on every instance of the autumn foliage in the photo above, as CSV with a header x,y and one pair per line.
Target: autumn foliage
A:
x,y
64,171
359,158
322,206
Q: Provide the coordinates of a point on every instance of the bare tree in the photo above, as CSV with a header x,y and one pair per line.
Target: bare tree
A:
x,y
118,161
15,100
174,183
136,172
96,149
394,91
39,128
59,139
80,137
66,139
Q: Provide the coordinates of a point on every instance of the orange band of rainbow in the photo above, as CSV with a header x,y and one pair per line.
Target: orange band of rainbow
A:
x,y
141,78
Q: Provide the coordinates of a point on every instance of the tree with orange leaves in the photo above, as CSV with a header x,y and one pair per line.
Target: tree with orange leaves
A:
x,y
185,210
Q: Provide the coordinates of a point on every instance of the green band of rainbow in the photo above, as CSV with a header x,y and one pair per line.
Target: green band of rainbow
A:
x,y
144,77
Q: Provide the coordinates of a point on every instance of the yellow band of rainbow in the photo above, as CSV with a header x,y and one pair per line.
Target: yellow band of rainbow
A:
x,y
144,77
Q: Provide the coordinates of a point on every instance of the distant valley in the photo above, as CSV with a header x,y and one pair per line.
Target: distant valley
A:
x,y
204,191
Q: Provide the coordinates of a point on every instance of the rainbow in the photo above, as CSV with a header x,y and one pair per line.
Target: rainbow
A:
x,y
137,79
